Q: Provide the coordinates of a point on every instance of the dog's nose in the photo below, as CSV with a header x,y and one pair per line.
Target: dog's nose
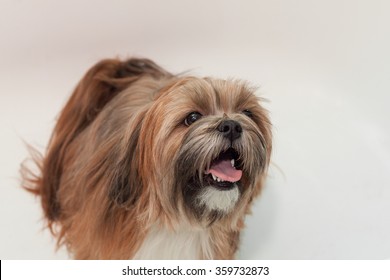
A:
x,y
230,129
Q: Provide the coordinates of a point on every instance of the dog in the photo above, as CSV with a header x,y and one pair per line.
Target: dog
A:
x,y
144,164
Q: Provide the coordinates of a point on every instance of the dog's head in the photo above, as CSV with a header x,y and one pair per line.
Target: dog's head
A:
x,y
204,147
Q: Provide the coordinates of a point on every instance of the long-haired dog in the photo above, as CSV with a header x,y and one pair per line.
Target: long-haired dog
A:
x,y
143,164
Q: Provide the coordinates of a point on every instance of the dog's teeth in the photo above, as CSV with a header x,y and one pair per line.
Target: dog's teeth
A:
x,y
215,178
232,162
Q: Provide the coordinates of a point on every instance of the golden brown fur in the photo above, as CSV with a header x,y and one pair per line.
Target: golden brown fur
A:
x,y
121,158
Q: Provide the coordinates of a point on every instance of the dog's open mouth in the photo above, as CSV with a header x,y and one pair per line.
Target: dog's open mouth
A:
x,y
225,171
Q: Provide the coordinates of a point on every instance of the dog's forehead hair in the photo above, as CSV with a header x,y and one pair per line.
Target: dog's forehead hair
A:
x,y
216,96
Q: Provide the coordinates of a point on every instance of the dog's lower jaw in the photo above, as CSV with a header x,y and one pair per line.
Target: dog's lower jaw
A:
x,y
214,199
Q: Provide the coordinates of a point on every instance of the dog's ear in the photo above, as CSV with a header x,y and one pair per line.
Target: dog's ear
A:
x,y
90,96
126,183
96,89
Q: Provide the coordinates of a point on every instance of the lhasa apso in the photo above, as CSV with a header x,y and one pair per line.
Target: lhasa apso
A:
x,y
143,164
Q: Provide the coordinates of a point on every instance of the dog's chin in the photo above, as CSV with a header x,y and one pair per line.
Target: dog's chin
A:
x,y
216,199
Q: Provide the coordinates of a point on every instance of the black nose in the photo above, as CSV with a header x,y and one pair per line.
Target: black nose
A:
x,y
230,129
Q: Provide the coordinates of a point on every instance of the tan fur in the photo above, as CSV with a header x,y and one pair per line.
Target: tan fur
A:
x,y
110,172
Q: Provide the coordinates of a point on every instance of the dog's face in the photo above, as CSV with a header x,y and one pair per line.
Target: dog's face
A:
x,y
207,144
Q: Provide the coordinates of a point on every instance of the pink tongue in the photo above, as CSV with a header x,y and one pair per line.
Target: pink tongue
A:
x,y
225,171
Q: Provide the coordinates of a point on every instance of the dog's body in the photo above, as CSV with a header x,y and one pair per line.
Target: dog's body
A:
x,y
147,165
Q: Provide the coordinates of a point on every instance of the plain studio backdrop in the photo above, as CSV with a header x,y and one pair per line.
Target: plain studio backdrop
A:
x,y
324,67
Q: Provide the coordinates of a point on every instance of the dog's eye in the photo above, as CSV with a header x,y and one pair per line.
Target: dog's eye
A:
x,y
248,113
191,118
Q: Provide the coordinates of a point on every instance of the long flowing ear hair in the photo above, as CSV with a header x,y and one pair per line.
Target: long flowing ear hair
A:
x,y
96,89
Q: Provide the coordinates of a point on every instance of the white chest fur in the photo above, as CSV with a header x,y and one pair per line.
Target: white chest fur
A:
x,y
182,243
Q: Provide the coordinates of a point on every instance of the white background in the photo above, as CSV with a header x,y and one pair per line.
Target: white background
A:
x,y
324,66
